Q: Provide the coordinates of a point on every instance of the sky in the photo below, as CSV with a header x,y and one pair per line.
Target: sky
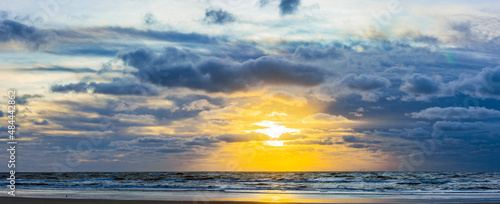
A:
x,y
252,85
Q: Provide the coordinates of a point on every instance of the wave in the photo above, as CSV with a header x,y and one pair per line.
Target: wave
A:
x,y
289,182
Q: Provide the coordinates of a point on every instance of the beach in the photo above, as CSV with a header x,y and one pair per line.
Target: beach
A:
x,y
22,200
252,187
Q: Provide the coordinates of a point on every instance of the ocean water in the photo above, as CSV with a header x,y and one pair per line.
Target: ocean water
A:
x,y
312,184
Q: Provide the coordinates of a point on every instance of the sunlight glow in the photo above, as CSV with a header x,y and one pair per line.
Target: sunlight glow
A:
x,y
273,114
274,143
273,129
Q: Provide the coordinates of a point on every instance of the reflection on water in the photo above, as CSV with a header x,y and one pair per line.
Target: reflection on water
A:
x,y
279,196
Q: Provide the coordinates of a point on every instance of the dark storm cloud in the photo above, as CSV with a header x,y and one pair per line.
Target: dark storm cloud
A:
x,y
171,150
181,68
462,126
365,82
421,84
121,114
166,114
167,144
418,132
368,86
485,84
202,141
25,99
59,69
163,144
79,87
218,16
354,139
358,146
456,113
118,86
32,37
124,87
288,7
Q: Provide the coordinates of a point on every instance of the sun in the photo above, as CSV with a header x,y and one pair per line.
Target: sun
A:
x,y
274,130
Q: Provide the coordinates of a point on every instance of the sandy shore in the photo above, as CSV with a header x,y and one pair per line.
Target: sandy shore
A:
x,y
23,200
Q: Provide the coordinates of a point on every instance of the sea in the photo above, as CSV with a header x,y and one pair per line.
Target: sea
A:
x,y
261,186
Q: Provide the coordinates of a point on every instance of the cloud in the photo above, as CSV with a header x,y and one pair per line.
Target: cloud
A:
x,y
218,16
365,82
358,146
354,139
399,70
324,118
40,122
90,48
79,87
150,19
479,32
59,69
366,85
187,100
167,144
315,53
310,142
30,36
290,136
418,132
286,98
485,84
421,84
171,150
121,86
243,138
118,86
263,3
202,104
288,7
456,113
24,99
202,141
182,68
1,114
480,132
458,126
100,33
